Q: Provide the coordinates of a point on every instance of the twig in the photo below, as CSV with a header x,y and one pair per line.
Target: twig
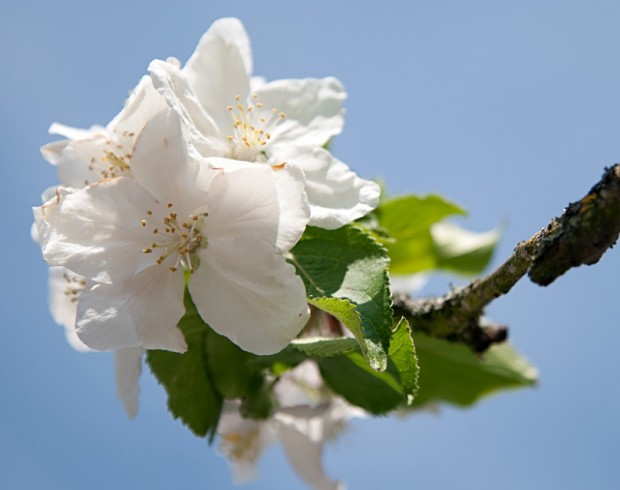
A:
x,y
581,235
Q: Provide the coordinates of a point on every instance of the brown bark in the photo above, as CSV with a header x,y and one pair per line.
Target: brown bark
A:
x,y
583,233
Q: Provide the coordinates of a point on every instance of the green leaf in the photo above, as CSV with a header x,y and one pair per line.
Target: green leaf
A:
x,y
452,373
212,369
347,312
257,403
325,347
228,364
236,376
407,216
192,396
403,356
407,221
282,361
345,273
417,240
352,378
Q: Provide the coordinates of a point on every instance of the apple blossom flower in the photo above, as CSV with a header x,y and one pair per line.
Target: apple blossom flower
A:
x,y
134,239
307,415
229,114
89,155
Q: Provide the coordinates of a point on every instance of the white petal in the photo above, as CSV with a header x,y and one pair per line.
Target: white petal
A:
x,y
232,32
141,312
74,157
39,231
249,294
34,233
410,284
304,454
335,193
302,385
202,131
294,207
100,323
128,366
98,229
242,440
161,164
452,240
313,109
260,201
143,103
75,133
220,67
257,82
82,159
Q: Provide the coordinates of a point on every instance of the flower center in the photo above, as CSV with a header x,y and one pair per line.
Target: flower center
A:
x,y
175,238
114,161
240,446
74,285
252,126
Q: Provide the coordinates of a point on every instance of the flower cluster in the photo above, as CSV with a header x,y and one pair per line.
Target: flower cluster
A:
x,y
202,184
206,172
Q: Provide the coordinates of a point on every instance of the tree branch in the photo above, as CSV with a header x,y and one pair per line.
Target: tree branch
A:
x,y
581,235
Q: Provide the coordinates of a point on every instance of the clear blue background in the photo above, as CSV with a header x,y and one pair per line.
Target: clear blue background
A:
x,y
509,108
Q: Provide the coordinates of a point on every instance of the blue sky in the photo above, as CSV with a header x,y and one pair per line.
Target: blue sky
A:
x,y
508,108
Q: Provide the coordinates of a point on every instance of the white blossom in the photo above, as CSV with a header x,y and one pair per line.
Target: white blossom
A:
x,y
89,155
306,417
133,239
230,114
